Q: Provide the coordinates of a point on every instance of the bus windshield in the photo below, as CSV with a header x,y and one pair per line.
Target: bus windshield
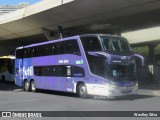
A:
x,y
119,72
116,44
125,71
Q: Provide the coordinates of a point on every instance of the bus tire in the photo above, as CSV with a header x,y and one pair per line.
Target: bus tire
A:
x,y
82,90
3,78
33,86
26,86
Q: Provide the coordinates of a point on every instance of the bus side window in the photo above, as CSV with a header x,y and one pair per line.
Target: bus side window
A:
x,y
40,71
35,53
47,49
41,50
97,65
19,53
59,71
91,44
46,71
58,48
27,52
77,71
71,47
35,70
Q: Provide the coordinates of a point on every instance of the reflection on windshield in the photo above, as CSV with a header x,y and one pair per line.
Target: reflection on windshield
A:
x,y
117,72
121,72
115,44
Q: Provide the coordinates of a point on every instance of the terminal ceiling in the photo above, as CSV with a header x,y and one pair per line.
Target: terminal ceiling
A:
x,y
81,16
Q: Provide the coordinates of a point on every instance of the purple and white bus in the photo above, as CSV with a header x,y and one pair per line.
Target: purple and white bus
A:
x,y
92,64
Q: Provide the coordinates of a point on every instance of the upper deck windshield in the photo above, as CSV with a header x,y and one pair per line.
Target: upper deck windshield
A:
x,y
115,44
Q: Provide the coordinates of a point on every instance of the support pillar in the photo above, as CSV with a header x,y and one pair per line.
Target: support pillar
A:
x,y
152,60
151,54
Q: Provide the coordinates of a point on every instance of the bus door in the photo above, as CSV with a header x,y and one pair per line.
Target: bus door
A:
x,y
73,73
69,84
62,77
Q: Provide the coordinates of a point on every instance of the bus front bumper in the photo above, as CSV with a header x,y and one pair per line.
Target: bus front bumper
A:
x,y
105,90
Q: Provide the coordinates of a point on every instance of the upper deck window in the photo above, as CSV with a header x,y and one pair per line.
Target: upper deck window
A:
x,y
57,48
71,47
91,44
19,53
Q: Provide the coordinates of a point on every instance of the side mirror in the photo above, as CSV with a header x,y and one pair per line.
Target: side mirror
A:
x,y
139,60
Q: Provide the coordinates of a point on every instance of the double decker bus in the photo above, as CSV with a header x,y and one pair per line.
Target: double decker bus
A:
x,y
7,64
92,64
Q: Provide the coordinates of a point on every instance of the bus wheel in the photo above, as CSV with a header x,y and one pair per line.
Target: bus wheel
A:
x,y
3,78
82,90
33,86
26,86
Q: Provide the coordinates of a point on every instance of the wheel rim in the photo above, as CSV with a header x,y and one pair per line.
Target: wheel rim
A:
x,y
26,85
33,86
83,90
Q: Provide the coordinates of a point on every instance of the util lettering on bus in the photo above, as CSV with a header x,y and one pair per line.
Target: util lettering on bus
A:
x,y
28,71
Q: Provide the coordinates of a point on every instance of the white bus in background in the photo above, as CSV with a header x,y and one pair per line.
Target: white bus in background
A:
x,y
7,68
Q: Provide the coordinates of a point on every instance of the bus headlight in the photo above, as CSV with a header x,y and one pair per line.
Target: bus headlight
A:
x,y
111,86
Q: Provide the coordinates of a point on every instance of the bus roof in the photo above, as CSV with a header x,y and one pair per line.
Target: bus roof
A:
x,y
112,35
47,42
67,38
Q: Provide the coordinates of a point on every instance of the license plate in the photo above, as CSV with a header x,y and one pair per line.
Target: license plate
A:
x,y
126,91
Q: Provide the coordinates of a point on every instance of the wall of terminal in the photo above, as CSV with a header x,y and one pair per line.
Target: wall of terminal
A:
x,y
3,51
